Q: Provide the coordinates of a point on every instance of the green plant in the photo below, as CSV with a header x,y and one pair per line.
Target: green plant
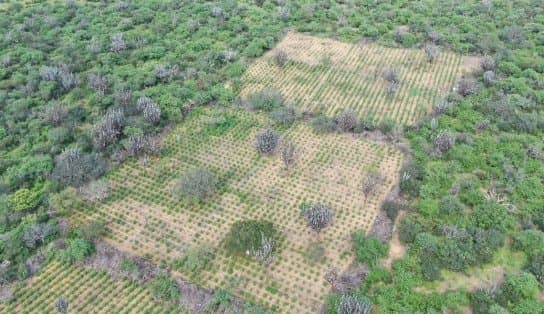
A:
x,y
165,289
245,236
368,249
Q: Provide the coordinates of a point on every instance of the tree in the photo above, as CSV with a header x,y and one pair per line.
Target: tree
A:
x,y
281,58
432,51
318,216
98,82
72,167
245,236
266,141
288,154
519,287
55,113
350,304
466,86
346,120
487,63
371,182
196,185
535,265
36,234
95,191
443,142
118,43
61,305
108,129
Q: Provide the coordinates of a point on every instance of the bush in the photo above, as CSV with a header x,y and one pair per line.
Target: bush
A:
x,y
164,289
196,185
266,100
288,154
245,236
318,216
95,191
491,215
284,115
266,141
450,205
76,250
443,142
323,124
519,287
487,63
346,120
481,301
466,86
431,51
108,129
54,114
350,304
61,305
24,200
281,58
409,228
535,265
529,241
72,167
195,260
392,208
368,249
371,182
91,231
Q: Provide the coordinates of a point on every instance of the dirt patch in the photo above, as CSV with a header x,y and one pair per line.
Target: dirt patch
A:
x,y
470,64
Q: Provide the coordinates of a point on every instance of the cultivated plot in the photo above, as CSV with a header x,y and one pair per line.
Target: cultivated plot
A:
x,y
327,75
146,219
86,291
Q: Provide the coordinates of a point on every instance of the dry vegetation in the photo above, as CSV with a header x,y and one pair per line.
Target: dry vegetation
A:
x,y
146,219
327,75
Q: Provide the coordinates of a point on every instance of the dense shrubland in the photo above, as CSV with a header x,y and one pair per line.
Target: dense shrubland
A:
x,y
77,88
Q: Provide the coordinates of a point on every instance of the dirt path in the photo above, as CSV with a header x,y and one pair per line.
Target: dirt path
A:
x,y
396,248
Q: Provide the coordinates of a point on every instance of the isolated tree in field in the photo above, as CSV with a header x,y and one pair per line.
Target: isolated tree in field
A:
x,y
61,305
392,78
370,183
288,154
346,120
432,51
55,113
318,216
466,86
281,58
73,167
350,304
196,185
267,140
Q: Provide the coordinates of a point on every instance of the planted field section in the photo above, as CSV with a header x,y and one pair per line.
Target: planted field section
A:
x,y
146,219
327,75
86,291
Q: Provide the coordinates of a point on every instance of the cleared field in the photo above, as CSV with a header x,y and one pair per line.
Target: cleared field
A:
x,y
145,219
87,291
327,75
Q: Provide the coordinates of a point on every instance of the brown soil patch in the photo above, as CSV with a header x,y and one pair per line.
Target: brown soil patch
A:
x,y
396,248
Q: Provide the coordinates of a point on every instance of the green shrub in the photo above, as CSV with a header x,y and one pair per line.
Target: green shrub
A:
x,y
245,236
266,100
25,199
519,287
164,289
450,205
75,251
368,249
323,124
195,260
529,241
